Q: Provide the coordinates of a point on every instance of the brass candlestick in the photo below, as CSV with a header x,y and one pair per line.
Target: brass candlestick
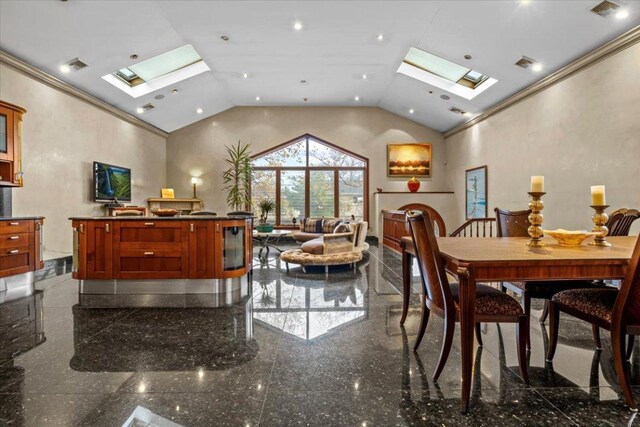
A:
x,y
536,218
599,219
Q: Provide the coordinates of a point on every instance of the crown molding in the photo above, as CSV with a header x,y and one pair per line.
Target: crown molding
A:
x,y
616,45
49,80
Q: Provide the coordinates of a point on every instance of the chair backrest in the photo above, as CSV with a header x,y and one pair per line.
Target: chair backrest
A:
x,y
627,306
620,221
512,223
129,213
203,213
438,223
432,272
476,227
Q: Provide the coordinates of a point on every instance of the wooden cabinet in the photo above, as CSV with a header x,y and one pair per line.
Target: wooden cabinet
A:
x,y
153,248
150,249
202,249
10,144
21,248
394,227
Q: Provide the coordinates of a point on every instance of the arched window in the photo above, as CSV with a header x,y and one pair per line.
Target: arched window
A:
x,y
309,177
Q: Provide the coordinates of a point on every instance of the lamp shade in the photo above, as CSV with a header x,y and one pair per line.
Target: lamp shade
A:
x,y
195,180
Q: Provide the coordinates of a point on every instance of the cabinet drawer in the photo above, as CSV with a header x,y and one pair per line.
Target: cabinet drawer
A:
x,y
15,263
14,250
12,227
14,240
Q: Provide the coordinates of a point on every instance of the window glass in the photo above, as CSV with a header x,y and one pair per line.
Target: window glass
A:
x,y
263,186
321,193
291,155
292,191
351,199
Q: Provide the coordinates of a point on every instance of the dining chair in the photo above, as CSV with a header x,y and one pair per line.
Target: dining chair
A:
x,y
441,297
617,311
621,220
516,224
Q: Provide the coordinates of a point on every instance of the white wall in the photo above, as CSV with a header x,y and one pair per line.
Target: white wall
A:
x,y
198,149
580,132
62,136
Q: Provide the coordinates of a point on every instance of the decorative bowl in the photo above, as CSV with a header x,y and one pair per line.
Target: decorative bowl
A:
x,y
569,237
165,212
264,228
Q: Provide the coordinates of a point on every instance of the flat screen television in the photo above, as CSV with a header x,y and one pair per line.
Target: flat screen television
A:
x,y
111,182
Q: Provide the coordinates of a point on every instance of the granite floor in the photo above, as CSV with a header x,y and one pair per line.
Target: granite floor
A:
x,y
298,350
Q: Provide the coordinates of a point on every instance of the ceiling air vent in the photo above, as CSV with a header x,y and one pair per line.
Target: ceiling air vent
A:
x,y
456,110
77,64
525,62
147,107
605,8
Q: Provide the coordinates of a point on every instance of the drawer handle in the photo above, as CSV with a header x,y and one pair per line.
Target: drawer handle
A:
x,y
148,254
191,227
14,223
149,224
13,251
107,228
14,237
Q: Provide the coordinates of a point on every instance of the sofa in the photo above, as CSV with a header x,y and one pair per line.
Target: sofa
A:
x,y
312,228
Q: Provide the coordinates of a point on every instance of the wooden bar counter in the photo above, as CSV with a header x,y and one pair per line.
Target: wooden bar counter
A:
x,y
164,254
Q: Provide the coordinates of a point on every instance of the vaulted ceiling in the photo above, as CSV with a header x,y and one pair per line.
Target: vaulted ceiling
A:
x,y
337,44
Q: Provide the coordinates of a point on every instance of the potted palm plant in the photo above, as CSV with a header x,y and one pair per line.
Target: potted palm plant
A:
x,y
266,206
237,178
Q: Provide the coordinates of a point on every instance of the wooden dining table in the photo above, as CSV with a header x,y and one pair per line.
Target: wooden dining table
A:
x,y
498,259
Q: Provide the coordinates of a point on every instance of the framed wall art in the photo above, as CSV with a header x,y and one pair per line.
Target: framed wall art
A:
x,y
476,192
409,160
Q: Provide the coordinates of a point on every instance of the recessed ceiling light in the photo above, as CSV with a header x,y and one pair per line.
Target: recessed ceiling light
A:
x,y
356,98
64,68
199,111
245,76
467,57
139,110
525,1
621,14
467,114
411,111
133,56
225,38
159,97
380,37
364,76
445,97
297,25
174,91
536,67
257,98
303,82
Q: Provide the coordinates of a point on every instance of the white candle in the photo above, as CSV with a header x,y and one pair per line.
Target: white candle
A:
x,y
597,195
537,184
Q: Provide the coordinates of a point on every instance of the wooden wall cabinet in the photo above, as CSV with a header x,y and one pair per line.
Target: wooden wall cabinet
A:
x,y
10,144
152,248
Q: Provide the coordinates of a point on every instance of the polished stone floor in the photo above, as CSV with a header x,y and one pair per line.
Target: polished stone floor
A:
x,y
299,350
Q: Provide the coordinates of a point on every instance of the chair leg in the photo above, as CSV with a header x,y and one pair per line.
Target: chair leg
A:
x,y
596,335
554,323
630,340
621,366
478,335
526,302
424,320
503,288
545,312
521,337
449,328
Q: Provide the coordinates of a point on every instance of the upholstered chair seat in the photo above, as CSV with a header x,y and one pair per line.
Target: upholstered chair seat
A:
x,y
490,301
594,302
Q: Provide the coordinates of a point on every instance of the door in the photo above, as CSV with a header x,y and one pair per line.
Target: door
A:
x,y
6,136
99,250
233,243
201,250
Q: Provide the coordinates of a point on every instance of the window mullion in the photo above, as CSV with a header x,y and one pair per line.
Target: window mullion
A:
x,y
336,194
277,197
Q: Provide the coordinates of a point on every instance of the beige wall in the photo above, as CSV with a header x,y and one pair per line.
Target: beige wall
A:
x,y
62,136
198,149
580,132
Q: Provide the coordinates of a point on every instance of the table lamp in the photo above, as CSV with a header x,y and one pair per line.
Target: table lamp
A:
x,y
194,182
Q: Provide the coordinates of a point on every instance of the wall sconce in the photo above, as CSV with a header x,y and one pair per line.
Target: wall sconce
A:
x,y
195,181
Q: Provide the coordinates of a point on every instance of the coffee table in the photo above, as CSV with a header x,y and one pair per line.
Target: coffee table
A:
x,y
269,239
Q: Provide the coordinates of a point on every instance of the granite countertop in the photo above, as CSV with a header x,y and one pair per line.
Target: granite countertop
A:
x,y
17,218
157,218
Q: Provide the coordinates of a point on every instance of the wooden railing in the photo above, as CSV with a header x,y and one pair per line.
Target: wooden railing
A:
x,y
476,227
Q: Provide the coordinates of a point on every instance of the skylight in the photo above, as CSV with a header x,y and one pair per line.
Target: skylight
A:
x,y
444,74
158,72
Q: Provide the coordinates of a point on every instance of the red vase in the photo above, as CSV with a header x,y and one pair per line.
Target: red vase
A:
x,y
413,184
